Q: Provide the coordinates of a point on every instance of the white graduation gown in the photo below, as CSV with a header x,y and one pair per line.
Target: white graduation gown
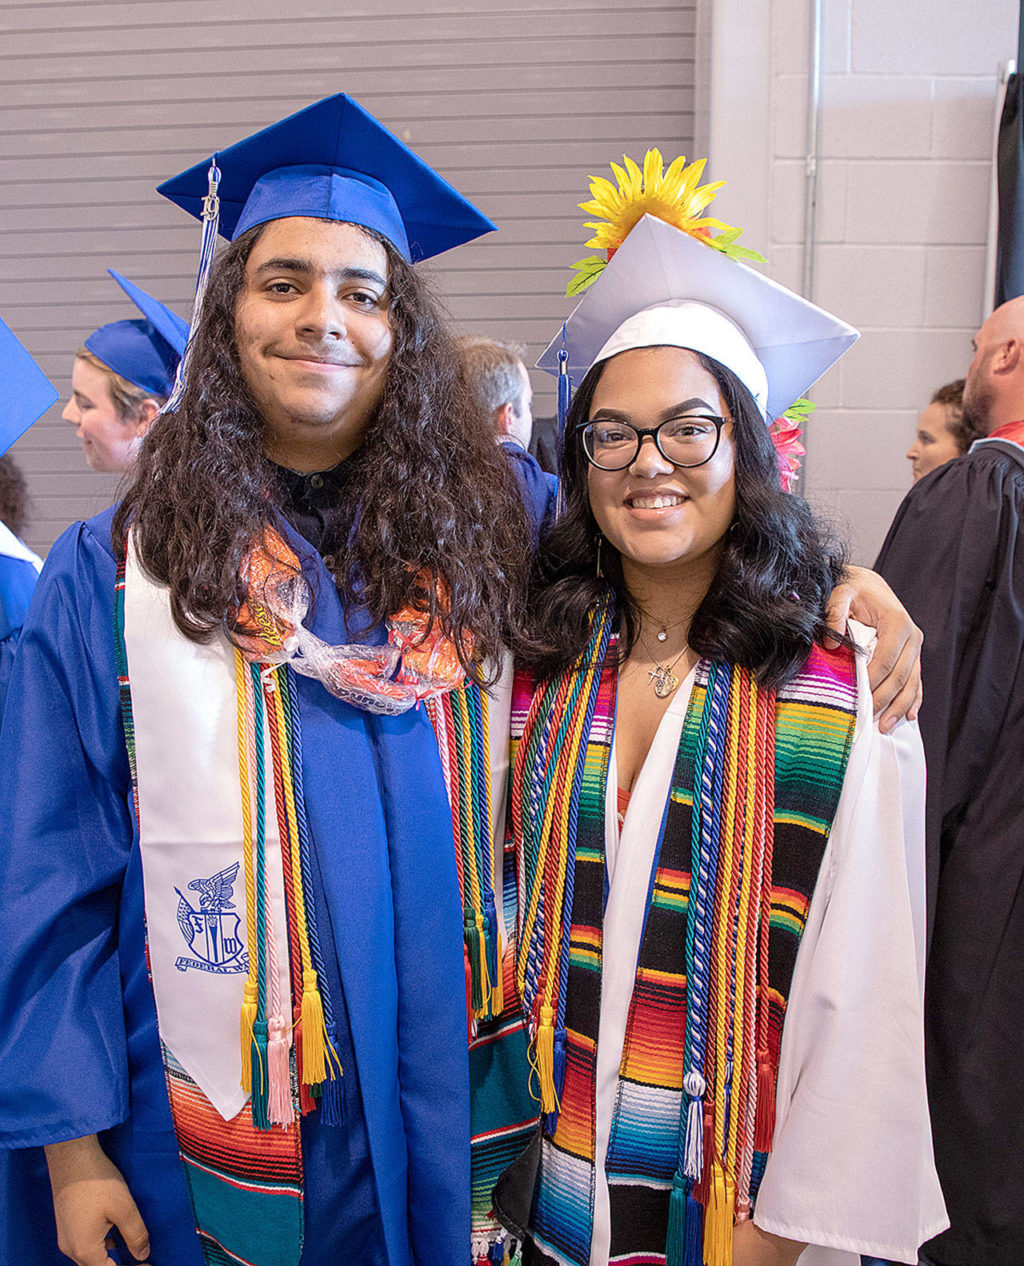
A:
x,y
851,1169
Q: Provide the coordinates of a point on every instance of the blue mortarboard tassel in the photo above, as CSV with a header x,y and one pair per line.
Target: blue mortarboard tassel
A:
x,y
211,221
564,400
564,385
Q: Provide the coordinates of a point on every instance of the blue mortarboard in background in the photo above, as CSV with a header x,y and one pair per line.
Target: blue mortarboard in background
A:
x,y
145,352
25,391
333,161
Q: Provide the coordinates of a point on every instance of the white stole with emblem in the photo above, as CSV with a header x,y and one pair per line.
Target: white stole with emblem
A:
x,y
190,827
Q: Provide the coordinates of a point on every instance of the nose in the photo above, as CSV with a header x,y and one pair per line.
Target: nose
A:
x,y
650,461
321,315
69,413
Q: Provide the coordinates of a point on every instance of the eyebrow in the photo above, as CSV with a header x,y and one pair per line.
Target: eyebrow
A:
x,y
695,402
286,264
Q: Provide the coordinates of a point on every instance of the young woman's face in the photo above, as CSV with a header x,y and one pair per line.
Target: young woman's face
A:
x,y
110,442
655,514
934,443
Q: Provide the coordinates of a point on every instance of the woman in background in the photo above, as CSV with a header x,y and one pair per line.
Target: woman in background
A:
x,y
942,431
122,377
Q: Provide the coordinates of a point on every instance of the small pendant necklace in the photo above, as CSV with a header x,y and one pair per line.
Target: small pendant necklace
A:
x,y
666,629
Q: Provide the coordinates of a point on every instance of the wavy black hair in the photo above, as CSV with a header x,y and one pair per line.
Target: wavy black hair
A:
x,y
436,494
766,606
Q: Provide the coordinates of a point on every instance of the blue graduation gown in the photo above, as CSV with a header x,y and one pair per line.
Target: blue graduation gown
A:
x,y
17,580
79,1051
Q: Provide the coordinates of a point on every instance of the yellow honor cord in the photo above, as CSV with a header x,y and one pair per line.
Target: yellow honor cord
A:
x,y
316,1067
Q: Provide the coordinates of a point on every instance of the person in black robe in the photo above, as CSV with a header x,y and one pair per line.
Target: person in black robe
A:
x,y
955,557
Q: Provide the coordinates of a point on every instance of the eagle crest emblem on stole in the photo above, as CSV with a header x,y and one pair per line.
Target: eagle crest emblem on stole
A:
x,y
213,931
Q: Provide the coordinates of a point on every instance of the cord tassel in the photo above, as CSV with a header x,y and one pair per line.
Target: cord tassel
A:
x,y
470,1017
471,931
482,968
764,1120
546,1060
208,246
260,1076
332,1096
718,1221
675,1242
695,1086
314,1034
694,1247
307,1103
279,1106
558,1063
564,393
248,1019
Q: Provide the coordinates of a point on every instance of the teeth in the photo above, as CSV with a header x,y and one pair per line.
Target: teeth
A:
x,y
656,503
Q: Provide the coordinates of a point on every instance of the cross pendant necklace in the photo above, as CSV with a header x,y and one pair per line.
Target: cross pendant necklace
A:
x,y
663,679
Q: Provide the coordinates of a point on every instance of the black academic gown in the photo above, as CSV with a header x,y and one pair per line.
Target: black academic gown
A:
x,y
955,557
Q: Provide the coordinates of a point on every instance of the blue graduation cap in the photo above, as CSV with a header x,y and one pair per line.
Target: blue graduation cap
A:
x,y
145,352
333,161
25,391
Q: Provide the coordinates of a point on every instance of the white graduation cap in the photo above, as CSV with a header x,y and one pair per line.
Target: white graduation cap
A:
x,y
663,287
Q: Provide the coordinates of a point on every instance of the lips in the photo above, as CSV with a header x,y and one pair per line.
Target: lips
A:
x,y
320,360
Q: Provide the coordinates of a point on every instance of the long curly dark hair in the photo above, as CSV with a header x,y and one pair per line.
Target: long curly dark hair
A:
x,y
766,606
436,494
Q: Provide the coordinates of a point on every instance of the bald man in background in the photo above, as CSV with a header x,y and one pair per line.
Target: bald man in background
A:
x,y
955,557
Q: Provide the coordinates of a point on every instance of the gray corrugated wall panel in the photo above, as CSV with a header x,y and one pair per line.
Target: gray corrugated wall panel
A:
x,y
99,102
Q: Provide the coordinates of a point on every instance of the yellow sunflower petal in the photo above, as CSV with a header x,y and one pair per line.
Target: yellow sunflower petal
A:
x,y
621,177
705,194
652,168
636,177
675,168
694,172
596,207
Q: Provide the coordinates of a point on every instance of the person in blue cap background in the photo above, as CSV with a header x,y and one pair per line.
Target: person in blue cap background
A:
x,y
122,377
319,488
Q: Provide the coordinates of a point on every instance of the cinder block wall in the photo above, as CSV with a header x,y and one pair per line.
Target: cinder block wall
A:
x,y
908,97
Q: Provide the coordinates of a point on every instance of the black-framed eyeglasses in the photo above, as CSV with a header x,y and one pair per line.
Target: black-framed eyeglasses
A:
x,y
689,440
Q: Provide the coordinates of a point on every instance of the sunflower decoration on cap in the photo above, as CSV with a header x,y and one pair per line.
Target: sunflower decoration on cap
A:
x,y
675,196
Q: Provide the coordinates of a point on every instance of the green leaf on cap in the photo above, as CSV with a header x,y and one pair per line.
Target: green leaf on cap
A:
x,y
587,272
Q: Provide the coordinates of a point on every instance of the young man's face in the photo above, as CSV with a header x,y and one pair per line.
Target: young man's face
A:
x,y
314,337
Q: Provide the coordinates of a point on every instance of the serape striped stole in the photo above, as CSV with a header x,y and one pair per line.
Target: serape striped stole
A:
x,y
753,795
